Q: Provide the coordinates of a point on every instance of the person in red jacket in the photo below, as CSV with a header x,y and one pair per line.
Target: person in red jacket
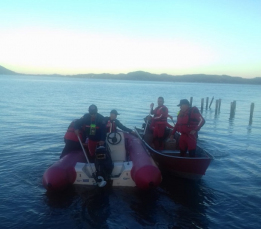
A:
x,y
189,122
160,113
159,123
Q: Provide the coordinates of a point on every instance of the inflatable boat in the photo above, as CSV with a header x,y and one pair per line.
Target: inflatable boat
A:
x,y
131,165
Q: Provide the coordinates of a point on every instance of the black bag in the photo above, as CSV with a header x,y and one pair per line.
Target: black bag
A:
x,y
103,162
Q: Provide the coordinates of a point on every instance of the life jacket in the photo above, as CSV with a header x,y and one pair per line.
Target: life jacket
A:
x,y
70,134
91,128
192,121
111,126
161,113
187,121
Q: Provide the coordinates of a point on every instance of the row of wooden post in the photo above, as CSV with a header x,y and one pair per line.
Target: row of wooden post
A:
x,y
218,105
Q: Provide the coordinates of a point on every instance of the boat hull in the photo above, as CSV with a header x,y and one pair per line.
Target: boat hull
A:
x,y
186,167
73,169
171,163
144,172
62,173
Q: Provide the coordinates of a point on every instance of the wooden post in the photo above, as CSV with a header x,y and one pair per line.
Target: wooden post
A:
x,y
206,103
202,104
232,109
252,106
219,105
216,107
191,100
211,101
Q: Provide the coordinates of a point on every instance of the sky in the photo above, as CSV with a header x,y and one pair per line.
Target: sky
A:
x,y
176,37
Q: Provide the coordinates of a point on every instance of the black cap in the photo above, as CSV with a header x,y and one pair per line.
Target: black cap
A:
x,y
183,102
114,112
93,109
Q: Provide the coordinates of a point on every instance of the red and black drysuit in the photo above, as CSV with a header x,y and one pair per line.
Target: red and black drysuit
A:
x,y
112,125
71,140
189,120
158,126
94,130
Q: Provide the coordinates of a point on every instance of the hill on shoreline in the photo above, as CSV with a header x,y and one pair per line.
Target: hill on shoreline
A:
x,y
5,71
146,76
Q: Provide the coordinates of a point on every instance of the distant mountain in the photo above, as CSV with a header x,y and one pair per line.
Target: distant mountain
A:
x,y
146,76
5,71
193,78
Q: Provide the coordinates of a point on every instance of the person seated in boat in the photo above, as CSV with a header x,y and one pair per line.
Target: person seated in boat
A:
x,y
112,123
94,127
71,140
189,122
159,123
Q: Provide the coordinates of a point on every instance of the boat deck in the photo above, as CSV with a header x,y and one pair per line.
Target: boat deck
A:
x,y
147,138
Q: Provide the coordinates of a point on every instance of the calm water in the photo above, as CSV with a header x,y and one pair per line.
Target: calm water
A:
x,y
36,111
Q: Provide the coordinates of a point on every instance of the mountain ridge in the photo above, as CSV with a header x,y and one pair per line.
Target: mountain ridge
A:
x,y
146,76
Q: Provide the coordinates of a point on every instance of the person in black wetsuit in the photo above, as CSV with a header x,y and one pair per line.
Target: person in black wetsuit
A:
x,y
112,123
94,127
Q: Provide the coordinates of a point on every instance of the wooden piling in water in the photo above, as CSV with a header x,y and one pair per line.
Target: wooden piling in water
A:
x,y
219,105
211,101
252,106
232,109
191,100
202,104
216,110
206,103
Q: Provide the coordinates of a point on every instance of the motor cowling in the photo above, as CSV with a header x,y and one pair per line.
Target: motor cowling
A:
x,y
103,162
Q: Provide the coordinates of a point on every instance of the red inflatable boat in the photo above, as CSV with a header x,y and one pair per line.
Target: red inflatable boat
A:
x,y
132,166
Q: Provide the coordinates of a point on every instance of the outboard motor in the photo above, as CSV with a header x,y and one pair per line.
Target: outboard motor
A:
x,y
103,162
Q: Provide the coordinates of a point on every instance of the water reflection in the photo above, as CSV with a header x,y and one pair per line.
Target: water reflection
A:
x,y
145,207
95,208
60,200
231,124
88,206
192,200
249,129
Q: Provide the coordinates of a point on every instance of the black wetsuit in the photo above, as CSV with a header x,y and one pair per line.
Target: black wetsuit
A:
x,y
87,122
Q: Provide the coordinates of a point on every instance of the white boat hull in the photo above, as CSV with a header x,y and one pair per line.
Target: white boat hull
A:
x,y
120,176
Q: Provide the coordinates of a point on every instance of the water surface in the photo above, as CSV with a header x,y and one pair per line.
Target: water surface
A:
x,y
36,111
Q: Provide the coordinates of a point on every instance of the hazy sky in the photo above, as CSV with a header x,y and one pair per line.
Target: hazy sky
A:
x,y
119,36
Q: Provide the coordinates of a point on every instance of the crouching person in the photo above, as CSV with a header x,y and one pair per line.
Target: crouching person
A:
x,y
71,140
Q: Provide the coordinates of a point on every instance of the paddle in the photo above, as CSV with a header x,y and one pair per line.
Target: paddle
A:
x,y
146,125
100,180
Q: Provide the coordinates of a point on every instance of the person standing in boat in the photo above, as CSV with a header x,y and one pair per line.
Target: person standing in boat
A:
x,y
160,113
112,123
94,127
189,122
158,123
